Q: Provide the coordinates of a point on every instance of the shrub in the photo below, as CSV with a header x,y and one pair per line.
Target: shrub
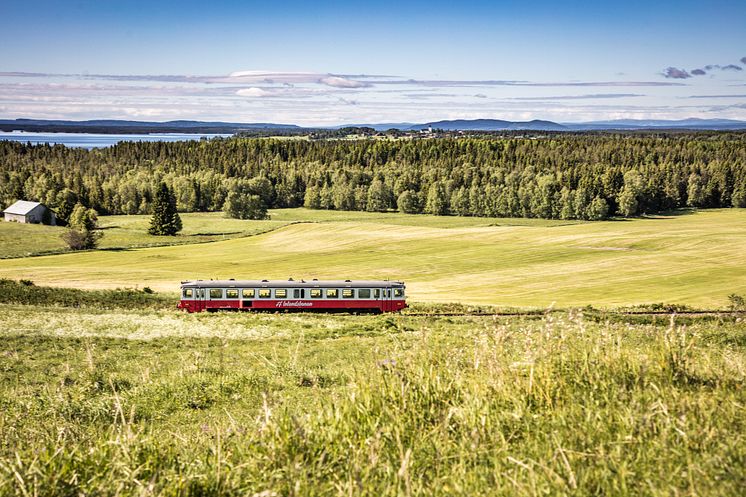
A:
x,y
240,205
737,302
83,229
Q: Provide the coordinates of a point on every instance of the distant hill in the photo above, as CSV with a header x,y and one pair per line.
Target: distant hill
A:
x,y
114,126
135,127
691,123
490,125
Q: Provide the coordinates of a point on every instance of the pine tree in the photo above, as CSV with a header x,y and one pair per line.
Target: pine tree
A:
x,y
165,220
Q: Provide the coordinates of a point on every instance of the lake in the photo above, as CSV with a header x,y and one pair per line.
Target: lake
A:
x,y
95,140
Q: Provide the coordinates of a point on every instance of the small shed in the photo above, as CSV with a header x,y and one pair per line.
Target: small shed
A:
x,y
24,211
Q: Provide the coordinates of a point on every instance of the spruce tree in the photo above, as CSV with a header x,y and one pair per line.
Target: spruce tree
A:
x,y
165,220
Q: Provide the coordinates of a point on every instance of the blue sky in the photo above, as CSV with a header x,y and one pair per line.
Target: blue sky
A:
x,y
346,62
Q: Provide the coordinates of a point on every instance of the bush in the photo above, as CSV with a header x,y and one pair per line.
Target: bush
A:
x,y
83,233
21,292
408,202
737,302
241,205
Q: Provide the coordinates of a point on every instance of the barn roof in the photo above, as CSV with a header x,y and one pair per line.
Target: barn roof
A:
x,y
22,207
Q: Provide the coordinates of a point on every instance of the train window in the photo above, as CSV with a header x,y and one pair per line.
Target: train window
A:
x,y
216,293
332,293
201,293
231,293
376,293
363,293
348,293
316,293
247,293
188,293
265,293
398,292
281,293
299,293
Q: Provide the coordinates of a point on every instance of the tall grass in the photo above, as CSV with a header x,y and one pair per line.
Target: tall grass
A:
x,y
414,406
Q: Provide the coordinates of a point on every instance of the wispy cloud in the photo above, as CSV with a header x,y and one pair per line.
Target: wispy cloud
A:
x,y
316,98
437,83
592,96
717,96
340,82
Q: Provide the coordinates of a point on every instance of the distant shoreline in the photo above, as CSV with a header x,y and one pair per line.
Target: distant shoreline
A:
x,y
77,139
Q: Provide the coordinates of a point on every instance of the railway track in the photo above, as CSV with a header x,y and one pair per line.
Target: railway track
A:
x,y
593,312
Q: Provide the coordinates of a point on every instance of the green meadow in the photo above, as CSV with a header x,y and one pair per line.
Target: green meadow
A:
x,y
126,400
694,258
23,240
115,393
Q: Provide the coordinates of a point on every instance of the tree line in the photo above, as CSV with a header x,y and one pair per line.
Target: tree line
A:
x,y
563,176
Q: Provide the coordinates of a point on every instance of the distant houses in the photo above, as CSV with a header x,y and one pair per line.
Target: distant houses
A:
x,y
24,211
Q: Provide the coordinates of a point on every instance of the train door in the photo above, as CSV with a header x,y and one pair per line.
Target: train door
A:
x,y
386,299
199,298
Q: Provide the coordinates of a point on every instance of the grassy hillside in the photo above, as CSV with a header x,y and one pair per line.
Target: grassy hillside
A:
x,y
21,240
154,402
693,258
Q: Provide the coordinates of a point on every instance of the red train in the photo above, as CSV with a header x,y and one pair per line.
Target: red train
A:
x,y
314,296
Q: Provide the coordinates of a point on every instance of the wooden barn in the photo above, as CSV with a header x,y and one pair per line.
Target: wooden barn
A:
x,y
24,211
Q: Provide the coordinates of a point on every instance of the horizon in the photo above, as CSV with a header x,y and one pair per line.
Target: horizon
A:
x,y
335,64
363,124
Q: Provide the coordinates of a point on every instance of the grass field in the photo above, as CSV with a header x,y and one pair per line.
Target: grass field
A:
x,y
694,258
22,240
154,402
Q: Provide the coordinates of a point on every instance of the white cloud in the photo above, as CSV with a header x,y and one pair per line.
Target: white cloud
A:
x,y
339,82
253,92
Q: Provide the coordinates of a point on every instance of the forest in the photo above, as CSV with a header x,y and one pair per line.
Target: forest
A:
x,y
588,176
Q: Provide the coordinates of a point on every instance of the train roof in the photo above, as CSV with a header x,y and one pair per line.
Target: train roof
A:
x,y
292,283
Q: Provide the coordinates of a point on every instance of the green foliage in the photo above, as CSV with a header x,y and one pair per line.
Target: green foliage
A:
x,y
556,176
65,202
26,293
249,199
437,203
165,220
408,202
245,206
380,198
83,229
598,210
737,302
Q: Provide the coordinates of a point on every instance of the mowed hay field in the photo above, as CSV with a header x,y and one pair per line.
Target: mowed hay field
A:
x,y
692,258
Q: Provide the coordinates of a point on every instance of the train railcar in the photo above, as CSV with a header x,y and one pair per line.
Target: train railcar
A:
x,y
291,295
